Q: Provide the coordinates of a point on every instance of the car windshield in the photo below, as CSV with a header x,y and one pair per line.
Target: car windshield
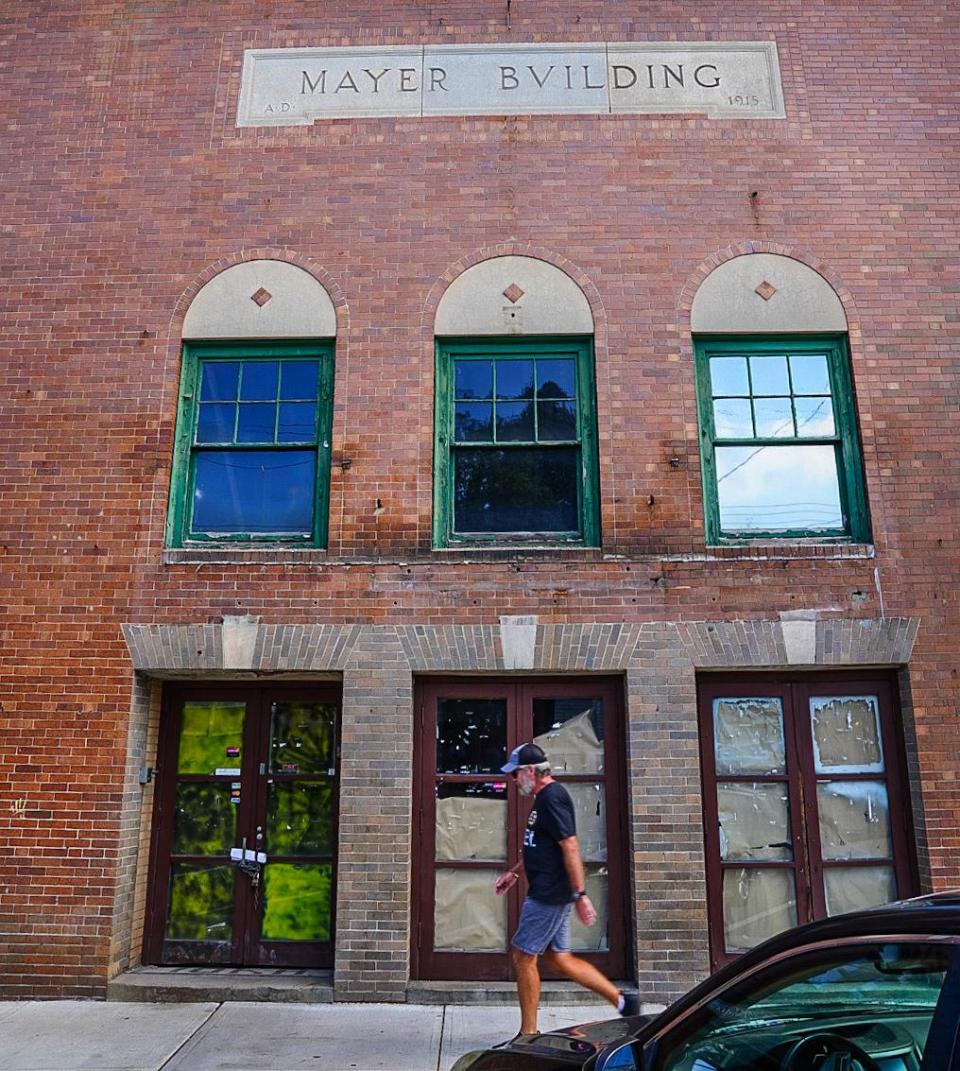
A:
x,y
880,998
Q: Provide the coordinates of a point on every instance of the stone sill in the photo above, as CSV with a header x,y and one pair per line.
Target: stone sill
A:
x,y
784,551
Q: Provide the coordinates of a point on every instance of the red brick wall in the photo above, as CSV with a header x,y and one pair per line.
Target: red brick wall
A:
x,y
126,181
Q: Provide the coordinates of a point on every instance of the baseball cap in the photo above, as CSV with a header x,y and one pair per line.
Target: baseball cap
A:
x,y
524,755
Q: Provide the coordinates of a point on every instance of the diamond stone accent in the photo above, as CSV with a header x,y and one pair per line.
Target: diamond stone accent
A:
x,y
513,293
766,290
261,297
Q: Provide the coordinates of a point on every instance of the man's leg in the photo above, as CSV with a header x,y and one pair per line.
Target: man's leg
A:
x,y
528,989
583,973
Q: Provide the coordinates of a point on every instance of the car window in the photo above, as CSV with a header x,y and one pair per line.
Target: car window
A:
x,y
875,1000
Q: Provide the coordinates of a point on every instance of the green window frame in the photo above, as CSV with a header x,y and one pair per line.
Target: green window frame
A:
x,y
243,454
780,411
536,428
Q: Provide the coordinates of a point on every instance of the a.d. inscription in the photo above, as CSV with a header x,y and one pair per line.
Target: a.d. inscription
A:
x,y
298,86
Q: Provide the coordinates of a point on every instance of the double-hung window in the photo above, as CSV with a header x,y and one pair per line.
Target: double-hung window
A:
x,y
780,448
253,443
515,443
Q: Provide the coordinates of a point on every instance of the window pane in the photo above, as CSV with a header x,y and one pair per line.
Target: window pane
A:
x,y
299,379
514,379
258,381
592,938
215,423
810,374
556,379
757,904
570,731
732,418
853,888
201,903
768,375
204,819
255,423
473,379
296,902
471,735
468,914
471,821
590,807
521,490
748,736
754,822
474,422
211,735
728,375
302,737
299,818
557,421
854,820
298,422
773,418
218,382
814,417
254,491
846,734
778,489
515,422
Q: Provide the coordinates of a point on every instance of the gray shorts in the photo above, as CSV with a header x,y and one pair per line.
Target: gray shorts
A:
x,y
542,926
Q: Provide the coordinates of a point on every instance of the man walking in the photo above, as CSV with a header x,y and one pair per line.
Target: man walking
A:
x,y
554,870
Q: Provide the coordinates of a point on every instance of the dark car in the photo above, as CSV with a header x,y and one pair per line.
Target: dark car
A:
x,y
877,990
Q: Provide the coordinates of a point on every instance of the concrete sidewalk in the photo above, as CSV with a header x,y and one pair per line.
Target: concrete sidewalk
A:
x,y
73,1035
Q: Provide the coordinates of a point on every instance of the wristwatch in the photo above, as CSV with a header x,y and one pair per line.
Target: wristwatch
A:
x,y
580,895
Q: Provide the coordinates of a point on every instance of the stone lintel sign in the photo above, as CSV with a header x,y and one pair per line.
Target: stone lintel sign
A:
x,y
718,79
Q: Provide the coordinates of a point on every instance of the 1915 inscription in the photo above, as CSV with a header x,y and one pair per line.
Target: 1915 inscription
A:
x,y
300,86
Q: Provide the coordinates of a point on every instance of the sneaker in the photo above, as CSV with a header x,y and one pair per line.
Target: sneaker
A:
x,y
631,1003
513,1041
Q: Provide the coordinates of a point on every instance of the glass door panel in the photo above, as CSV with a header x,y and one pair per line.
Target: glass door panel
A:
x,y
297,833
756,905
468,914
245,827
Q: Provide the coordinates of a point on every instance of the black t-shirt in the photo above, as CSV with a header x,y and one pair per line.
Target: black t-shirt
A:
x,y
551,820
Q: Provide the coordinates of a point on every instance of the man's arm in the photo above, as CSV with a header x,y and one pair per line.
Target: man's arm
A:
x,y
508,879
570,847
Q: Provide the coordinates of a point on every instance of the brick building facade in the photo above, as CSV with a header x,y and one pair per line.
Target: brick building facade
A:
x,y
633,298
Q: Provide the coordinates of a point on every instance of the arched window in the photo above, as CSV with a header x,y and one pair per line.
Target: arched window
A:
x,y
780,445
251,461
516,446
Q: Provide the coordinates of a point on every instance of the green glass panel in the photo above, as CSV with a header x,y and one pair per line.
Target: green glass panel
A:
x,y
299,818
296,902
201,902
302,737
204,819
211,735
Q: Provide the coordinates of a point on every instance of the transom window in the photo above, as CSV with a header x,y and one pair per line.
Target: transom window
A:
x,y
253,444
781,453
516,455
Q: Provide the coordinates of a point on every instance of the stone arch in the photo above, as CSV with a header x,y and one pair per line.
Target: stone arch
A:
x,y
765,293
513,294
261,298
